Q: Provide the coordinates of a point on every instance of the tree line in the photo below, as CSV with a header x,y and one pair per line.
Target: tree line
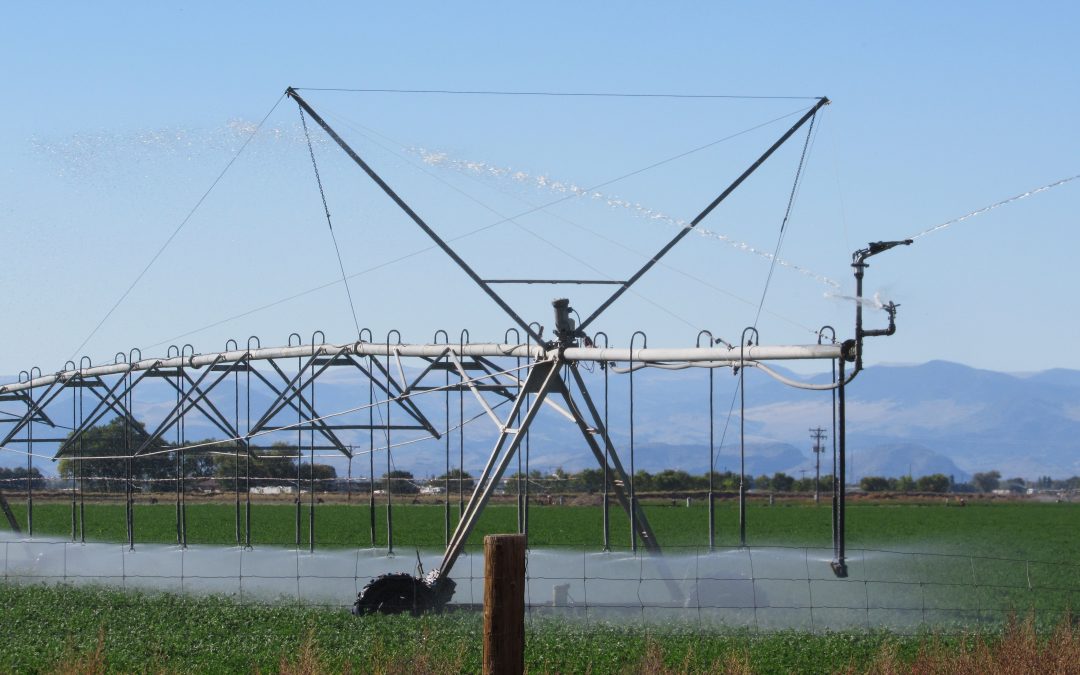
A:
x,y
937,482
673,480
15,479
157,467
224,462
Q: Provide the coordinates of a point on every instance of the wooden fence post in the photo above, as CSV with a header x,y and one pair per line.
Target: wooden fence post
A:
x,y
504,604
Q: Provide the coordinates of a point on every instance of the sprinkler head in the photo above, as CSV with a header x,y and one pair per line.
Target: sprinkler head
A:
x,y
881,246
875,247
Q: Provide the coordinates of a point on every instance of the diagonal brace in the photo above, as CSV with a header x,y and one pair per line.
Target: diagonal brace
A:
x,y
540,381
413,215
823,101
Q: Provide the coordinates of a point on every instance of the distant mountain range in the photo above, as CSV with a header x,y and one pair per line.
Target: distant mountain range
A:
x,y
937,417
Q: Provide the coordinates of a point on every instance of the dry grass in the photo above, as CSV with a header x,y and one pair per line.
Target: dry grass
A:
x,y
1017,650
654,663
85,663
309,660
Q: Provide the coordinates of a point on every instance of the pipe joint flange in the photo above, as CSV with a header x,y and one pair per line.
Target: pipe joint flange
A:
x,y
849,350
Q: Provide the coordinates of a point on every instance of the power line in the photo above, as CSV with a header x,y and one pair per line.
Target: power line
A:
x,y
818,434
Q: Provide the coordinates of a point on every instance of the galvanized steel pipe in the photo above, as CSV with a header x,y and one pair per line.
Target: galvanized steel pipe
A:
x,y
646,355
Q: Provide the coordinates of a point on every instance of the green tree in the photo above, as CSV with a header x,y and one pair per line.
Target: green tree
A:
x,y
723,482
150,470
325,476
15,479
1015,484
937,482
670,480
827,483
460,479
874,483
904,484
643,481
590,480
275,465
781,482
537,481
401,482
512,480
988,481
732,480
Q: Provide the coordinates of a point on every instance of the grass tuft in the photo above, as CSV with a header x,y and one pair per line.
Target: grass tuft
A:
x,y
92,662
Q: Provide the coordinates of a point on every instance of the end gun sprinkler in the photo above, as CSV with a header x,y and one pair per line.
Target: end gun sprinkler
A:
x,y
858,262
851,350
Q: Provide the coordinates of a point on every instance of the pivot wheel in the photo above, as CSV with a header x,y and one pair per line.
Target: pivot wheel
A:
x,y
394,594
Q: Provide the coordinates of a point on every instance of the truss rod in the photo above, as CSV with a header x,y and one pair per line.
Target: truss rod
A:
x,y
293,389
413,215
298,402
579,282
402,397
476,392
183,406
823,101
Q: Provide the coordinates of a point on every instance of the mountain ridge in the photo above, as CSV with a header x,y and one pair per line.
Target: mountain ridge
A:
x,y
937,417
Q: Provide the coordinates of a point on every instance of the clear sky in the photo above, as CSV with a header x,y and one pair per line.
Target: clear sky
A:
x,y
119,117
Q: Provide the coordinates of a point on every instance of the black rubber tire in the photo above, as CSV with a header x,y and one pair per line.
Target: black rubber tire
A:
x,y
394,594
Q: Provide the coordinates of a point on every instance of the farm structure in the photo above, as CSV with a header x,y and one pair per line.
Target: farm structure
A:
x,y
253,393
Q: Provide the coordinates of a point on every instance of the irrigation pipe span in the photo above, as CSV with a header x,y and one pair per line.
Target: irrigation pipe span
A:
x,y
718,355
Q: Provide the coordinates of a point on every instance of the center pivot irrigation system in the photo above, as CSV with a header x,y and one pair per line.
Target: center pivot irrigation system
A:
x,y
552,378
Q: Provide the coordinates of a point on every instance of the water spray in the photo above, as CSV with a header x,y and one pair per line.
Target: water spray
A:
x,y
874,301
571,189
995,205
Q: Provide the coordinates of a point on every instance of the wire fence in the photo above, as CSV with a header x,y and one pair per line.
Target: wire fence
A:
x,y
756,588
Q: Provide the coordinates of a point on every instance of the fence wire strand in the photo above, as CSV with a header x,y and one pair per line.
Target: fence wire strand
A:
x,y
903,592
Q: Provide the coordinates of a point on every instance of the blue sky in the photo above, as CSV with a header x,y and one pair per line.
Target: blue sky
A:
x,y
120,116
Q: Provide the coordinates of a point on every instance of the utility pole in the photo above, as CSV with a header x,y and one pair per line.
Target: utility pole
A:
x,y
818,434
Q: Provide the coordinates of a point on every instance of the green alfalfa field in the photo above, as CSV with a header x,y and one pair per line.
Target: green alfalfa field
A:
x,y
1024,530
